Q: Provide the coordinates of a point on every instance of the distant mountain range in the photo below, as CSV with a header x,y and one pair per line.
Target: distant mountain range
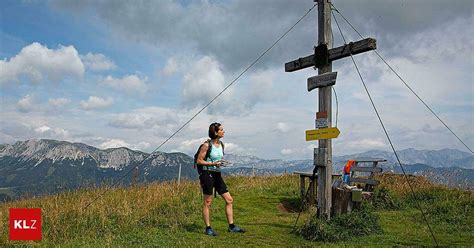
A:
x,y
436,159
36,167
447,166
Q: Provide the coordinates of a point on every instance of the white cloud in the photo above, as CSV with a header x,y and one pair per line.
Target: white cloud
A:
x,y
232,30
58,102
133,120
37,62
190,146
113,143
42,129
171,67
273,126
97,62
95,102
366,144
25,104
203,82
141,146
283,127
220,28
146,118
233,148
287,152
206,79
260,88
52,133
128,84
117,143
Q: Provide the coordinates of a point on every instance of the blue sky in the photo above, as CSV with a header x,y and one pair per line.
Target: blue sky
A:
x,y
130,73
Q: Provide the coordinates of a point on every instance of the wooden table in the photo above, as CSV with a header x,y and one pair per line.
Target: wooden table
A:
x,y
313,184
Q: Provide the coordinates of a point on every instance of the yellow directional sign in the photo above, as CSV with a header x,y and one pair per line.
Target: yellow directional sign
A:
x,y
322,133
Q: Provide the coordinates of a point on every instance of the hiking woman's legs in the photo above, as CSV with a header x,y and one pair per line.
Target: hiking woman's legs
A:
x,y
228,207
205,209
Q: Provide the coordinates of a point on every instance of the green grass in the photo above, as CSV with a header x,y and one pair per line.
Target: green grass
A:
x,y
165,214
358,223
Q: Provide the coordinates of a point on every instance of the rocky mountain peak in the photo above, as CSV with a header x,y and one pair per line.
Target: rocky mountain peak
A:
x,y
121,157
40,150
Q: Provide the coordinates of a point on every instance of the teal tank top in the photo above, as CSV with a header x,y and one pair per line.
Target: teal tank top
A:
x,y
216,155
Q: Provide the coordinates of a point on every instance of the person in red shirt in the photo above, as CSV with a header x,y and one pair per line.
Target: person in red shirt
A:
x,y
347,171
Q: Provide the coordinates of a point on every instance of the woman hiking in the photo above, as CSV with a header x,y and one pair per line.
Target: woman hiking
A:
x,y
210,177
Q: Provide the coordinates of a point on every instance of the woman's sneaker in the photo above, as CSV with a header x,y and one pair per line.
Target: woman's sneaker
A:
x,y
236,229
211,232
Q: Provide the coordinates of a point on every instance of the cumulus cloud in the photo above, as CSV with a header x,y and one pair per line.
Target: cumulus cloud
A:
x,y
146,118
283,127
213,28
133,120
190,146
221,28
171,67
95,102
223,36
25,104
206,79
231,148
203,82
287,152
422,63
37,62
42,129
392,21
259,89
52,133
58,102
107,143
367,144
113,143
128,83
141,146
97,62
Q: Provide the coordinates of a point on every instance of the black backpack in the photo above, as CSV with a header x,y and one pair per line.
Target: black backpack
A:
x,y
208,153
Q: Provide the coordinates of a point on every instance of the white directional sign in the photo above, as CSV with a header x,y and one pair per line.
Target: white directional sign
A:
x,y
322,80
321,123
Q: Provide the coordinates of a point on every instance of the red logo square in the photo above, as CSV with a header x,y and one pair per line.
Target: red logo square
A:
x,y
25,223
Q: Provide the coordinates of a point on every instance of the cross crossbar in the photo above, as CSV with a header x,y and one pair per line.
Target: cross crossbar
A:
x,y
334,54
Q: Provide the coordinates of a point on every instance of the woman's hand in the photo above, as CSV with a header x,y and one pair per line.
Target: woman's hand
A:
x,y
218,163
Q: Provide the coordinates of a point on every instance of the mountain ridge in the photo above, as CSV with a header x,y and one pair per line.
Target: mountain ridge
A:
x,y
52,165
48,166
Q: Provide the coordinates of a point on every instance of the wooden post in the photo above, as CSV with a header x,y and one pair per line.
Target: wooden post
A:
x,y
312,188
325,173
134,176
179,174
302,187
322,59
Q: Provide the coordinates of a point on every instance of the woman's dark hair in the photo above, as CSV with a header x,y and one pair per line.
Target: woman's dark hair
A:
x,y
213,129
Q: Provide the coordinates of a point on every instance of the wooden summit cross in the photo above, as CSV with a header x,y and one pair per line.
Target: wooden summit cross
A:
x,y
322,59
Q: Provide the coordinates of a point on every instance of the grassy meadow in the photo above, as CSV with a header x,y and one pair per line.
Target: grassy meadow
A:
x,y
167,214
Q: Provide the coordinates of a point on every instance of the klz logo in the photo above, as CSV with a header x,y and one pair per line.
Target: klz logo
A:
x,y
25,224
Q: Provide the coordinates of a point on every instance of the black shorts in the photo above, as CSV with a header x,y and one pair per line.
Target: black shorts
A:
x,y
209,180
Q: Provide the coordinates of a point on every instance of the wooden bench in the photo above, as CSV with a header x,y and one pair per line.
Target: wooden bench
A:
x,y
312,182
345,200
357,169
